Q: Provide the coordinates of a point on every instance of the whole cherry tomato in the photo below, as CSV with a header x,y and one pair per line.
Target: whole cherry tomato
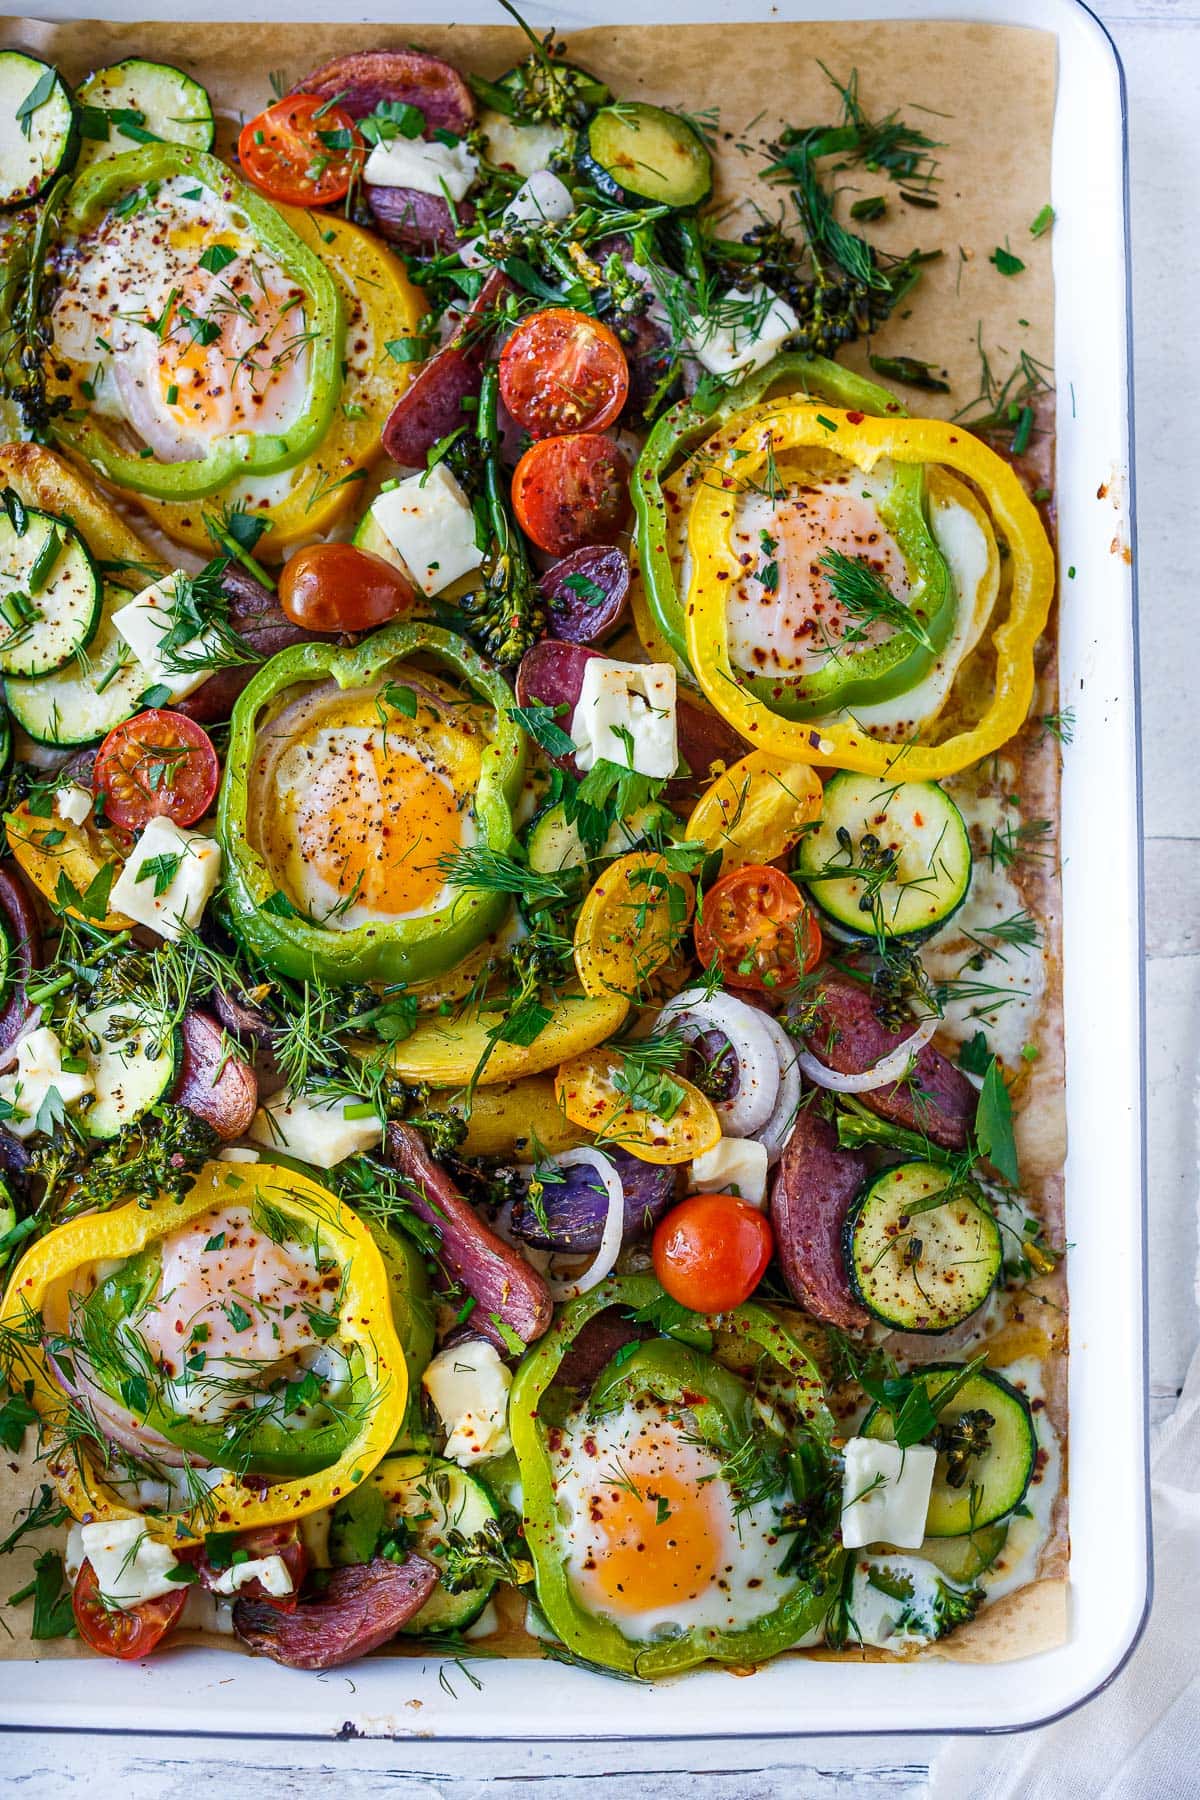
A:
x,y
758,925
711,1251
123,1632
337,587
562,371
156,765
571,491
301,150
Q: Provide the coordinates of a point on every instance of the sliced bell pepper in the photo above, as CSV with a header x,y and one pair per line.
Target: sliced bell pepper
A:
x,y
719,1407
843,743
409,950
364,1328
323,323
381,305
66,864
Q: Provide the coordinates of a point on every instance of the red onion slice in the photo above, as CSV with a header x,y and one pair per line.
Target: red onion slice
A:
x,y
752,1102
782,1122
889,1069
614,1224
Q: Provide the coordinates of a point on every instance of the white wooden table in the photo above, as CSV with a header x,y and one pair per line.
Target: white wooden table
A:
x,y
1159,41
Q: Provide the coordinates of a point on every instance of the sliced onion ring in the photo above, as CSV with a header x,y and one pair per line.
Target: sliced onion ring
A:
x,y
751,1106
778,1128
614,1224
885,1073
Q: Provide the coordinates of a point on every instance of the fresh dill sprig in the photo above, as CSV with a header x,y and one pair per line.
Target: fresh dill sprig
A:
x,y
861,591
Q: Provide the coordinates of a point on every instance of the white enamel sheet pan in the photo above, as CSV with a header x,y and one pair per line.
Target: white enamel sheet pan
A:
x,y
206,1691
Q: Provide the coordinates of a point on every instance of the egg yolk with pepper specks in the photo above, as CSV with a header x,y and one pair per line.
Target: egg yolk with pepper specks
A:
x,y
654,1539
363,803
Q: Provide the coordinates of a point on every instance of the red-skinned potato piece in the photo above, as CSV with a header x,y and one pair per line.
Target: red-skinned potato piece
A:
x,y
810,1196
596,1343
218,1087
361,81
585,592
362,1607
24,932
846,1033
256,615
430,407
419,222
504,1285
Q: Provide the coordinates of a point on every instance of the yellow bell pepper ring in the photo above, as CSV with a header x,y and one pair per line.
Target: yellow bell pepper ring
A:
x,y
364,1325
589,1093
630,924
840,742
756,810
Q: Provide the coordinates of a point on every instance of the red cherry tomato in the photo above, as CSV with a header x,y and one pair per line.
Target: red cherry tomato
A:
x,y
571,491
122,1632
336,587
758,925
710,1252
301,150
561,371
157,765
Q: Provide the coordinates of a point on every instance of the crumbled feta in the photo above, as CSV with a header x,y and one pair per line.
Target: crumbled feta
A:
x,y
143,624
130,1566
428,520
73,803
885,1493
543,199
315,1130
734,1166
425,167
760,323
38,1073
625,714
168,878
469,1385
272,1571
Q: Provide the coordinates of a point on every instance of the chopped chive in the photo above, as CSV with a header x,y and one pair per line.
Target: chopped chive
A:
x,y
172,394
1043,222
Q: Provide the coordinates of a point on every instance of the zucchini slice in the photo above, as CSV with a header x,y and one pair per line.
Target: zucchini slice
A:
x,y
907,845
49,592
915,1261
81,703
638,154
134,1061
553,843
434,1497
136,102
39,129
996,1480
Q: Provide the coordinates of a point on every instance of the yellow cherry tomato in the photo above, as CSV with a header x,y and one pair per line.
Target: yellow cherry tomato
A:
x,y
756,810
594,1090
630,924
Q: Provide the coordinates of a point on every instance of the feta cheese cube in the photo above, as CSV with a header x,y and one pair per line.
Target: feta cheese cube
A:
x,y
39,1070
428,520
885,1493
143,624
168,879
626,715
315,1130
130,1565
468,1383
73,803
427,168
762,324
543,199
734,1166
272,1571
523,148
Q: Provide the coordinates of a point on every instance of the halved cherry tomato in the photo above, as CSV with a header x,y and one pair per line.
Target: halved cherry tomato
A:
x,y
759,926
571,491
562,371
123,1632
336,587
711,1251
159,765
301,150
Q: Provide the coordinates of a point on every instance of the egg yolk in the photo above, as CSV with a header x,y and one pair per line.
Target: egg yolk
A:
x,y
231,350
373,822
661,1547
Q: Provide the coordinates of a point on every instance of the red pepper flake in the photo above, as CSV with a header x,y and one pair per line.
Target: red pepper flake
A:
x,y
856,418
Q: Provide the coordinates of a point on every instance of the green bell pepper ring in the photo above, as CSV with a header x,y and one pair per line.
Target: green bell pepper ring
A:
x,y
847,679
411,950
718,1403
254,1441
320,328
